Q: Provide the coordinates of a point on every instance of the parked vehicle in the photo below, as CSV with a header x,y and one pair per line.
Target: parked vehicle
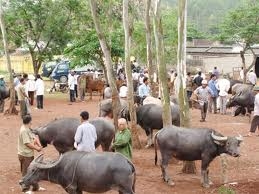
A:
x,y
47,68
61,71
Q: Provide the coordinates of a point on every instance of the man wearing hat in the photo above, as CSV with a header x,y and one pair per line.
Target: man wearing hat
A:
x,y
203,94
255,121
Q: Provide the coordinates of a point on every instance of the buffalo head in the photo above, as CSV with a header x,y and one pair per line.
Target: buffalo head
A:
x,y
229,145
37,170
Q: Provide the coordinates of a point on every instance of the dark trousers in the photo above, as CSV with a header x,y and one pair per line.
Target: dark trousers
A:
x,y
72,95
23,108
31,96
24,163
204,109
40,101
189,94
76,94
254,124
213,102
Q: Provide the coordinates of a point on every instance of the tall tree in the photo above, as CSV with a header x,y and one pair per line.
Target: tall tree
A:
x,y
108,61
189,167
11,109
242,26
158,31
41,26
150,66
132,109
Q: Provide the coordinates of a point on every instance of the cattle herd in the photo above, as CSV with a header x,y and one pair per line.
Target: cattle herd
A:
x,y
112,171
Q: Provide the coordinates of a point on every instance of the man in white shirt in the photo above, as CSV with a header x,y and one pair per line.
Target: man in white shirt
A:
x,y
241,74
71,85
30,84
123,91
251,77
86,135
39,88
135,76
223,86
76,83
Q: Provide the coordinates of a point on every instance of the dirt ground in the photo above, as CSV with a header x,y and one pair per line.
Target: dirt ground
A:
x,y
243,172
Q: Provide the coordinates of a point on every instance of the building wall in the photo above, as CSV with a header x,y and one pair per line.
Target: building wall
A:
x,y
20,63
224,63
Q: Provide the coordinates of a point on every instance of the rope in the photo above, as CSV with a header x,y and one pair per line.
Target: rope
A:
x,y
74,172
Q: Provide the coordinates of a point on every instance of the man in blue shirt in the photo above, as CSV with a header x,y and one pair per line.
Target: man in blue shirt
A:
x,y
214,96
144,89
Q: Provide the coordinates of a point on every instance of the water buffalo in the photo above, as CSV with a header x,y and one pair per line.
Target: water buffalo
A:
x,y
61,133
243,98
193,144
149,117
4,93
105,107
79,171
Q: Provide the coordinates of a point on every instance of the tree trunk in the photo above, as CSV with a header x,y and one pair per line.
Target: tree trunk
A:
x,y
149,43
132,109
108,62
167,117
11,109
188,167
242,55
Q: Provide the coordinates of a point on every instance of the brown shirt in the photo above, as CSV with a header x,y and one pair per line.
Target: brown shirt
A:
x,y
21,92
26,136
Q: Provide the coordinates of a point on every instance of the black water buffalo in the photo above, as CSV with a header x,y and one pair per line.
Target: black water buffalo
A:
x,y
242,99
61,133
105,107
81,171
4,93
193,144
149,117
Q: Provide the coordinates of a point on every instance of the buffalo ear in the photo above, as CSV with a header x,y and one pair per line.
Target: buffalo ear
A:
x,y
221,143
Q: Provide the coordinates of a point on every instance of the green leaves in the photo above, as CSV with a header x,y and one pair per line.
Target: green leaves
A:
x,y
241,25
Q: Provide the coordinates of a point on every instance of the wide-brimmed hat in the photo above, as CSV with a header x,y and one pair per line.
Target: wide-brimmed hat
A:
x,y
31,77
204,82
1,76
256,88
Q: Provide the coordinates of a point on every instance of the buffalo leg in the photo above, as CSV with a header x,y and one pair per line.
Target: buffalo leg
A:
x,y
205,173
164,163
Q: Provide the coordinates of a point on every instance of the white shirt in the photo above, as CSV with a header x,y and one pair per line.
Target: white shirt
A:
x,y
123,91
30,85
75,77
39,87
71,82
223,86
140,79
252,78
256,105
135,76
107,92
85,137
241,74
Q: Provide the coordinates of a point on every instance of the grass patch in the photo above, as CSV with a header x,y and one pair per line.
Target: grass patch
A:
x,y
225,190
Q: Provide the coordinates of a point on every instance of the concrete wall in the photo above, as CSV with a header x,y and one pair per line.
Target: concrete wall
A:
x,y
225,62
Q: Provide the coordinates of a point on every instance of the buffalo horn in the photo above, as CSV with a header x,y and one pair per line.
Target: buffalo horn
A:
x,y
218,138
239,138
48,165
38,159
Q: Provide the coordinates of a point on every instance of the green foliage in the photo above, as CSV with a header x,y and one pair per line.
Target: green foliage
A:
x,y
241,24
42,26
225,190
